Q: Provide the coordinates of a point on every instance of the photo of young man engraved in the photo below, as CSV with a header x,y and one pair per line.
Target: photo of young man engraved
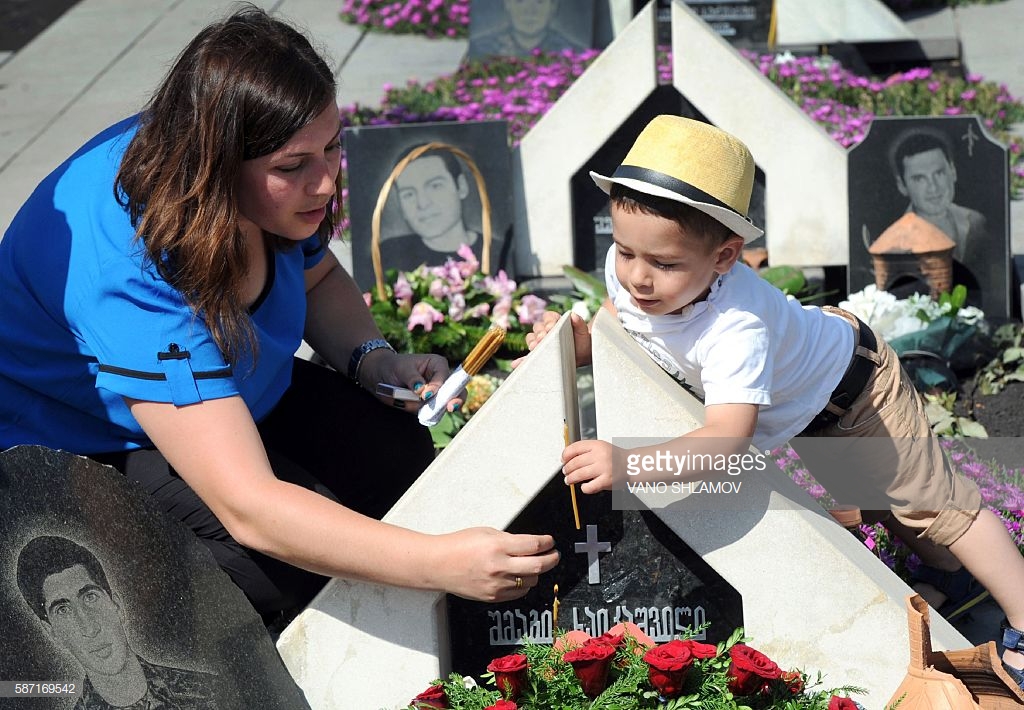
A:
x,y
418,192
949,172
525,26
67,589
923,167
432,190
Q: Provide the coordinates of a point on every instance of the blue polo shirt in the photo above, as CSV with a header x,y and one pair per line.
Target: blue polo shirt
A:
x,y
86,321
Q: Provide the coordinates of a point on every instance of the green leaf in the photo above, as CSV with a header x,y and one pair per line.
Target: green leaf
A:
x,y
969,427
585,283
1013,354
788,279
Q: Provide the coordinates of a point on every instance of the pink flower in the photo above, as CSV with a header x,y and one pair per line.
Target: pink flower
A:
x,y
437,289
530,309
403,289
499,316
367,299
499,285
469,264
457,307
478,311
425,315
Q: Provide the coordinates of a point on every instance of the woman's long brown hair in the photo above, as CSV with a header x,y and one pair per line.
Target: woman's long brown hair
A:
x,y
239,90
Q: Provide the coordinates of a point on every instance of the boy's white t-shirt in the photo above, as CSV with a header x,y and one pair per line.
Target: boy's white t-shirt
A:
x,y
747,343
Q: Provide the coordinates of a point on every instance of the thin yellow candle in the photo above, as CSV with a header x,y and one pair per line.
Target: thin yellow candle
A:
x,y
572,486
554,611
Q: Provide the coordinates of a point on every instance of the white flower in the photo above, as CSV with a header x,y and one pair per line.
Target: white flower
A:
x,y
580,308
891,317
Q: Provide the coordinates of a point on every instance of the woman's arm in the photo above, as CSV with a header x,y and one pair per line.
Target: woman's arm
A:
x,y
338,321
216,449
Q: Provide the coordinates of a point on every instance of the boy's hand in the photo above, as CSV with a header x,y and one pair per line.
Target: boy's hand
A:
x,y
590,462
580,335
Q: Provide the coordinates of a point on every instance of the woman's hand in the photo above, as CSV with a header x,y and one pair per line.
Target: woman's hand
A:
x,y
421,373
484,564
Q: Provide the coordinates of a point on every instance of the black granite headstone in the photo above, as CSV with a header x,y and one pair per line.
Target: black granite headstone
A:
x,y
430,195
621,566
107,596
743,23
953,174
516,29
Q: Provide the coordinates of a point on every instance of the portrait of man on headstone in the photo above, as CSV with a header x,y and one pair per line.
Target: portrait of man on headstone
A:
x,y
519,27
947,172
924,171
65,586
432,191
418,192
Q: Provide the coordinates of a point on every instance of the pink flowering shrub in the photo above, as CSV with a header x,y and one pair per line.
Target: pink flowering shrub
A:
x,y
433,18
1002,491
447,309
844,103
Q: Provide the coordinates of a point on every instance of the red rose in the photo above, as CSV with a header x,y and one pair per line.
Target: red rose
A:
x,y
794,681
502,705
614,640
432,697
750,670
590,662
509,674
837,703
667,666
701,650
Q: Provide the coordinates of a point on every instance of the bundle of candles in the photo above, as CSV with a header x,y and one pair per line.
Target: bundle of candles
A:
x,y
431,412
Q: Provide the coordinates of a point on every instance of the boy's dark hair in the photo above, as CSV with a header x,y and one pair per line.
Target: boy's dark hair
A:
x,y
691,220
47,555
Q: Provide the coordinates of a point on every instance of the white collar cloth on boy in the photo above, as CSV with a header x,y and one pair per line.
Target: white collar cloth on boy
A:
x,y
746,343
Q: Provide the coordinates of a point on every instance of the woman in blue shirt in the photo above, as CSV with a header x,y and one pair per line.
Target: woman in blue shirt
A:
x,y
156,287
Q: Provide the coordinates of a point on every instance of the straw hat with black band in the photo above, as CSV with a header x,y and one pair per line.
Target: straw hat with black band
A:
x,y
694,163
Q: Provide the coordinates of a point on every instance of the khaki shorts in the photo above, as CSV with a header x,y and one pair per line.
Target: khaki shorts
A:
x,y
907,470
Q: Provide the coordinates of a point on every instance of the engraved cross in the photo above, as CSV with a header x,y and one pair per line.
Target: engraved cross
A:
x,y
592,547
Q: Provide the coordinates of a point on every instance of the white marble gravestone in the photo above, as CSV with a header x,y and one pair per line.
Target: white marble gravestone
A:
x,y
805,169
814,597
813,22
806,190
579,123
354,635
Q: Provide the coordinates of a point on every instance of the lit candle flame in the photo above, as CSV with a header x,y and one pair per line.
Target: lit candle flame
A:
x,y
554,611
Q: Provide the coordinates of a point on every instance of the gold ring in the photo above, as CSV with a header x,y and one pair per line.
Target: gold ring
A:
x,y
519,582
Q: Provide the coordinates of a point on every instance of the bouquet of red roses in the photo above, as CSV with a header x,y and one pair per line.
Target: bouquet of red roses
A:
x,y
624,669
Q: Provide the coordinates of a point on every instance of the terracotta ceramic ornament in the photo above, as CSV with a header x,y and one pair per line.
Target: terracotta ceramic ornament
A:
x,y
952,680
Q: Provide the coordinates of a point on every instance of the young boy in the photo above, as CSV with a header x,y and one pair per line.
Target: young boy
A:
x,y
769,369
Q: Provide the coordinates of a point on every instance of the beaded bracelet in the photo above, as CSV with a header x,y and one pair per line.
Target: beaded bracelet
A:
x,y
356,361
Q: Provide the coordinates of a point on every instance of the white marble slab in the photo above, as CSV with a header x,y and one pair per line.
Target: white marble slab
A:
x,y
814,597
506,453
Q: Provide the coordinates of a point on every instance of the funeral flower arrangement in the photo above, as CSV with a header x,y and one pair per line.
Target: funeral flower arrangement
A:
x,y
446,309
625,670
